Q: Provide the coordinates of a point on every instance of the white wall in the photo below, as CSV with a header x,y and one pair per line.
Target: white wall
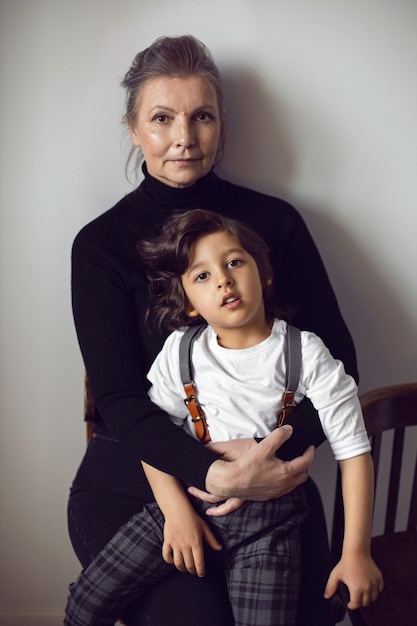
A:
x,y
322,110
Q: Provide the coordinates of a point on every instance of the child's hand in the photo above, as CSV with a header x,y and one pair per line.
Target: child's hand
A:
x,y
183,542
362,577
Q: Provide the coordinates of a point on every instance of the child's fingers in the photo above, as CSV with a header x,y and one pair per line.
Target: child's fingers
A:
x,y
355,591
357,600
179,561
198,565
167,553
365,595
210,539
173,557
198,552
331,586
191,561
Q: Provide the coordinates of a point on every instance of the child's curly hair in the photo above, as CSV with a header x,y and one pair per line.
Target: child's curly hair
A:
x,y
167,258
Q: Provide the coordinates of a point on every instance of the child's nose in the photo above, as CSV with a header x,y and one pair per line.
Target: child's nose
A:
x,y
224,280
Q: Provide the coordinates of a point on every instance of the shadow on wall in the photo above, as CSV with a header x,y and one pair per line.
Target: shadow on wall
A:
x,y
382,330
254,130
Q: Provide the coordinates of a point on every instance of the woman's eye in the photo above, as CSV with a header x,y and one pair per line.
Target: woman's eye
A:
x,y
162,119
204,117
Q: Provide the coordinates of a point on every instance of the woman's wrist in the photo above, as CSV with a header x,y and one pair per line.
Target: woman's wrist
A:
x,y
219,479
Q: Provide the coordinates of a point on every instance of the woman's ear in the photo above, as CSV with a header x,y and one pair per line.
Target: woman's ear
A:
x,y
134,135
268,281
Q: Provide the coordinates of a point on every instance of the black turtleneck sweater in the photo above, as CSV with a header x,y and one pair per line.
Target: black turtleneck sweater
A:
x,y
109,292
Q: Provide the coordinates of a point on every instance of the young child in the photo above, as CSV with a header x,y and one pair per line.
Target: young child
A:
x,y
204,266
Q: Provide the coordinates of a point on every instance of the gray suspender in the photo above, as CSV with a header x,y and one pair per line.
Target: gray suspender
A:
x,y
292,375
292,358
186,347
292,372
186,369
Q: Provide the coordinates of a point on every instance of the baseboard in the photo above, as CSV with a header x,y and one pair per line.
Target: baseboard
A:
x,y
29,618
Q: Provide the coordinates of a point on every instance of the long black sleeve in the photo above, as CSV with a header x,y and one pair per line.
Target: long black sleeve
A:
x,y
109,294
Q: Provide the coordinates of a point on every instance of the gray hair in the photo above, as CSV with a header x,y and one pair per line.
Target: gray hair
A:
x,y
175,57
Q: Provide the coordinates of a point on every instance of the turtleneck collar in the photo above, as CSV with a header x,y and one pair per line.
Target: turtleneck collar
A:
x,y
161,200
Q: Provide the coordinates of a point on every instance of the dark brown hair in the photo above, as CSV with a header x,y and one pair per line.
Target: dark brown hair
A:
x,y
167,258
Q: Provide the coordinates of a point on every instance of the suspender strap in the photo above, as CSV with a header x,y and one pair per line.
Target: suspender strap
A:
x,y
292,375
186,343
186,369
292,372
293,358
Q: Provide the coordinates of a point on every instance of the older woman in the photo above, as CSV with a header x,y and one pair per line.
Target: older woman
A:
x,y
175,116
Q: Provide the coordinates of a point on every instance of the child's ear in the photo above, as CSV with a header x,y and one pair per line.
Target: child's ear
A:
x,y
192,312
268,281
189,309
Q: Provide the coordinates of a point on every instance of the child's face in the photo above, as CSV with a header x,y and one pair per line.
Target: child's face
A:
x,y
223,285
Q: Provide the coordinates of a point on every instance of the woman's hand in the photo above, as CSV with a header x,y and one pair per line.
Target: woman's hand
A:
x,y
226,506
183,541
232,449
254,472
228,451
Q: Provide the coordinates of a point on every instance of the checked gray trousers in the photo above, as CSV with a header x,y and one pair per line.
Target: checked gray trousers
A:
x,y
260,556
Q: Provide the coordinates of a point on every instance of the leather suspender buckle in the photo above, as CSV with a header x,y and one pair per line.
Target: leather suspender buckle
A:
x,y
287,407
196,413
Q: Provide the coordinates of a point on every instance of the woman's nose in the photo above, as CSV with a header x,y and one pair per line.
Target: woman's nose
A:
x,y
184,135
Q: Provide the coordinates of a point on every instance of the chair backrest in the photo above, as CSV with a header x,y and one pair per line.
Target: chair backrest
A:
x,y
391,408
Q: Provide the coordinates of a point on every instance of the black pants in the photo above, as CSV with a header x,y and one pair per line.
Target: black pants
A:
x,y
110,487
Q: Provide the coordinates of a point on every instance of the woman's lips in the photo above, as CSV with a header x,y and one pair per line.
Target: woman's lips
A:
x,y
184,162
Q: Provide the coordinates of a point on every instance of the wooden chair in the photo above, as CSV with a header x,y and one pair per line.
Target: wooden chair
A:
x,y
394,409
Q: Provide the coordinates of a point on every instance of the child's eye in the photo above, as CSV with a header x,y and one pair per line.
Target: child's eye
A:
x,y
234,263
200,277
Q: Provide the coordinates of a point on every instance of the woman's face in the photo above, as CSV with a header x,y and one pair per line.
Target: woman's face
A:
x,y
177,128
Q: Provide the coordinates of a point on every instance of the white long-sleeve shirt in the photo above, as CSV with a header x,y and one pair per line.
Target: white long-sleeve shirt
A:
x,y
240,391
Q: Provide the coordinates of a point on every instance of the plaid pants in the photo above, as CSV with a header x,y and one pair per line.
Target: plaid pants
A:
x,y
261,559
